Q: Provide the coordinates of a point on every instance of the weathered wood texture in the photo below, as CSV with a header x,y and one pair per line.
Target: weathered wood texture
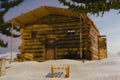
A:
x,y
102,48
65,31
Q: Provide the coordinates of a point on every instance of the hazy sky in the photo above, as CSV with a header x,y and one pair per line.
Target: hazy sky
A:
x,y
108,25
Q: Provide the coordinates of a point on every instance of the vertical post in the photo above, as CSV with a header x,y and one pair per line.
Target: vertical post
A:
x,y
98,47
67,71
80,37
2,67
106,45
11,46
52,71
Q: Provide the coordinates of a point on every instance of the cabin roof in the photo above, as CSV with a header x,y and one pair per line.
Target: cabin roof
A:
x,y
34,15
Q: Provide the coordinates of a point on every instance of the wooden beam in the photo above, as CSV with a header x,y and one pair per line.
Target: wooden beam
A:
x,y
11,48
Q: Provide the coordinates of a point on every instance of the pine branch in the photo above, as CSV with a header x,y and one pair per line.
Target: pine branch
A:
x,y
2,44
92,6
5,28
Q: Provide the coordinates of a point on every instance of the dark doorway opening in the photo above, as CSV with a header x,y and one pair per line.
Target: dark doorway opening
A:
x,y
50,49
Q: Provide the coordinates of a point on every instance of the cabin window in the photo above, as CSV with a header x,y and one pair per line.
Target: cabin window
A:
x,y
33,34
70,32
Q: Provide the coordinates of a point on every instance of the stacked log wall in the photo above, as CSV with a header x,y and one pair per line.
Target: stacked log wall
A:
x,y
58,27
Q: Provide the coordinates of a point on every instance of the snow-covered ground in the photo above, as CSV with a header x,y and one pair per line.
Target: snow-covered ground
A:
x,y
106,69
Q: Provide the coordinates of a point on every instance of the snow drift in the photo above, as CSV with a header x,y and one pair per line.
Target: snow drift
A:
x,y
106,69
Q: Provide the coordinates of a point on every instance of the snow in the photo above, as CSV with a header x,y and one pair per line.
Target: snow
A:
x,y
106,69
7,56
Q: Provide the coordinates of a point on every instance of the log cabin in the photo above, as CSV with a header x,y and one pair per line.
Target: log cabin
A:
x,y
49,33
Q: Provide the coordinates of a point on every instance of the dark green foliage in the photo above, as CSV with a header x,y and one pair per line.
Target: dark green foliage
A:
x,y
2,44
91,6
5,28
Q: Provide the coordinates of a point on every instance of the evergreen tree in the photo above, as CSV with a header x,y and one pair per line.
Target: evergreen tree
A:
x,y
91,6
5,28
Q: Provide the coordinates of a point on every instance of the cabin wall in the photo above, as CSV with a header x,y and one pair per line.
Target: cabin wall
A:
x,y
90,40
94,43
65,31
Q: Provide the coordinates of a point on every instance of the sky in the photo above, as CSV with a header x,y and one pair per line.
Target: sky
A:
x,y
108,25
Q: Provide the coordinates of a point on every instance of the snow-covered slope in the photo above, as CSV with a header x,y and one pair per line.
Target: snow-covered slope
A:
x,y
106,69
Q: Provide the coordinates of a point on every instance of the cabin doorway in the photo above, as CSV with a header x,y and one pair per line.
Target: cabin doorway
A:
x,y
50,49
